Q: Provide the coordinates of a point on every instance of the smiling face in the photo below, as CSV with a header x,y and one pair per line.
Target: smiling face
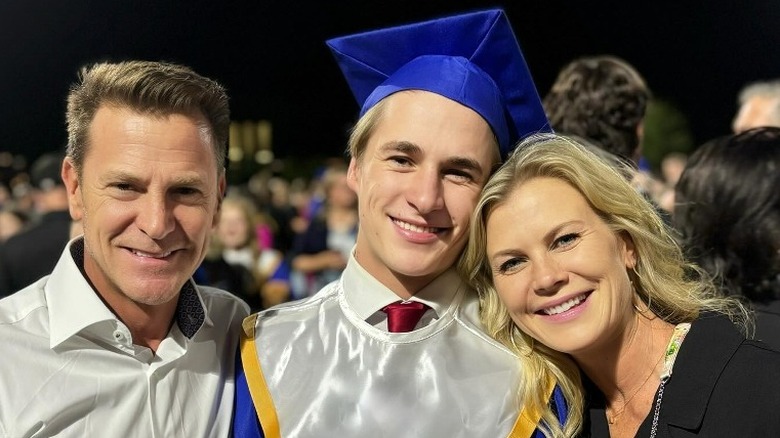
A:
x,y
417,184
559,269
234,229
148,198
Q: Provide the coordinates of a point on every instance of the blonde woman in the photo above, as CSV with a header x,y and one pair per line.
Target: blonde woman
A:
x,y
579,275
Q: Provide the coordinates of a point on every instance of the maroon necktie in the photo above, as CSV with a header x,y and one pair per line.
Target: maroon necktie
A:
x,y
403,316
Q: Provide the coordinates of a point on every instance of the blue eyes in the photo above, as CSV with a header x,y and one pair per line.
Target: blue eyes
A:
x,y
505,267
400,160
454,173
566,240
560,243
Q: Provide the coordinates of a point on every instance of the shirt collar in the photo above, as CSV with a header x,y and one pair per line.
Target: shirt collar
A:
x,y
190,311
74,305
366,295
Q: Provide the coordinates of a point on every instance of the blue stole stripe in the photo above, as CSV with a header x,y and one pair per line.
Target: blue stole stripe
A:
x,y
561,408
245,421
558,402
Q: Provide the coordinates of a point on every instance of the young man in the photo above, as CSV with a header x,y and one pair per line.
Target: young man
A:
x,y
442,102
118,340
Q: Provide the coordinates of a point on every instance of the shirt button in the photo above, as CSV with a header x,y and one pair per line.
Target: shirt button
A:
x,y
118,335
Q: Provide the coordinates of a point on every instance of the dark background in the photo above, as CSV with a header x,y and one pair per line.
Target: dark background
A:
x,y
272,58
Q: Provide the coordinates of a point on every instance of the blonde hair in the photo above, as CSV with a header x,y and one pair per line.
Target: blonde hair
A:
x,y
250,214
364,128
671,287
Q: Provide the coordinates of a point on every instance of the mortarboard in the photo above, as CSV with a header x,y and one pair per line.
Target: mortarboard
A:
x,y
473,59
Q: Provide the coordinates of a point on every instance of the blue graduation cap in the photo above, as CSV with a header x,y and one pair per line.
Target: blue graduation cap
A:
x,y
473,59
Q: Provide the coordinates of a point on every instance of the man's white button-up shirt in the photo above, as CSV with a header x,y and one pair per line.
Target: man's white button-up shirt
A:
x,y
68,365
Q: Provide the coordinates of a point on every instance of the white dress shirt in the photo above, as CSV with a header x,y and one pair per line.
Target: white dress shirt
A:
x,y
68,365
367,297
331,370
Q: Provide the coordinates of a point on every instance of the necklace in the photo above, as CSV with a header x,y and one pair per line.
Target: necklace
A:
x,y
611,419
669,357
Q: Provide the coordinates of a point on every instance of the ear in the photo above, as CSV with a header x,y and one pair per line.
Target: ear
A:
x,y
628,249
221,188
353,174
73,186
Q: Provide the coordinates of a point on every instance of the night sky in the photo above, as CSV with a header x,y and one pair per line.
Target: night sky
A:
x,y
272,58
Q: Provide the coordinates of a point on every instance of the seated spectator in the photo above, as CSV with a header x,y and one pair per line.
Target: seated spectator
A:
x,y
672,166
12,221
282,212
235,244
321,252
32,253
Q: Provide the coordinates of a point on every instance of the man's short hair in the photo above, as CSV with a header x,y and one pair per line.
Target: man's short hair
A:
x,y
602,99
155,88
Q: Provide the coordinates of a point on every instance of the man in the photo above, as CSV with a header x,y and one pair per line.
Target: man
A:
x,y
442,102
602,99
759,105
118,340
32,253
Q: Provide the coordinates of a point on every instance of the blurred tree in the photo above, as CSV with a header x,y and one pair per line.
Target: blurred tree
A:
x,y
666,130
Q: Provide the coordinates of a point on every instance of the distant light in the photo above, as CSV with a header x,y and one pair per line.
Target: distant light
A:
x,y
236,154
264,156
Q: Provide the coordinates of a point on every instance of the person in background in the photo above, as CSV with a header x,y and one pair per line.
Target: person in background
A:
x,y
603,99
672,166
5,194
320,254
32,253
593,282
728,215
394,347
758,105
12,221
117,339
236,243
280,210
